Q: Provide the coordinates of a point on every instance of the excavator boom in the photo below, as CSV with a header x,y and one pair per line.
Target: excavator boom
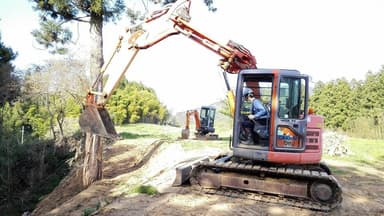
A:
x,y
185,132
235,57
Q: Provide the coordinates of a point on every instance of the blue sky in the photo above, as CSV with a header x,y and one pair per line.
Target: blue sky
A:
x,y
17,22
326,39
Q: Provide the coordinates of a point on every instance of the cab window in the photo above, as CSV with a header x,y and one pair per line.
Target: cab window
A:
x,y
292,92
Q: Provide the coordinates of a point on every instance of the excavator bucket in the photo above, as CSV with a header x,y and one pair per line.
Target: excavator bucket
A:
x,y
96,120
185,133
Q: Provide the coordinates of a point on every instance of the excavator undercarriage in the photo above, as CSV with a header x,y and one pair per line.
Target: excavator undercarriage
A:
x,y
310,186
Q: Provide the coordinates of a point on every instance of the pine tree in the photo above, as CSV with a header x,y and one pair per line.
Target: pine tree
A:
x,y
9,82
54,13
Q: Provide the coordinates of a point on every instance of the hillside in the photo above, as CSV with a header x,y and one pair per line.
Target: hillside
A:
x,y
146,158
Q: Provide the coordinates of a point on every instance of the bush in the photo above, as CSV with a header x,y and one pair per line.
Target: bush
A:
x,y
146,189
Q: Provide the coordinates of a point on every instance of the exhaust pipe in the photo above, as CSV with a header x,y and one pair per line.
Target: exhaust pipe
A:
x,y
96,120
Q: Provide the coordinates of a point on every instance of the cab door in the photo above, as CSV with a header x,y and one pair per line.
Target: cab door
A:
x,y
290,116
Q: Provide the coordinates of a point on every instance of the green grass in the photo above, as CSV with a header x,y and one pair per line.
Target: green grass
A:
x,y
145,189
89,211
129,189
143,130
363,151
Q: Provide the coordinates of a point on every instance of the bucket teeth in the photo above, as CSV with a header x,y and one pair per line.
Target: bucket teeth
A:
x,y
96,120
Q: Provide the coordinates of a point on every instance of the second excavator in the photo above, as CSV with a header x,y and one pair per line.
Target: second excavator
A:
x,y
204,123
278,155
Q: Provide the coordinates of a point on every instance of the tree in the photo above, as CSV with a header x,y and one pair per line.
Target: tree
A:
x,y
9,82
355,107
8,145
54,13
133,102
372,94
9,87
29,165
53,86
371,106
337,93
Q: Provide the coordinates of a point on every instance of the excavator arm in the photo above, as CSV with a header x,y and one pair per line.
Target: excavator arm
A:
x,y
195,115
235,57
185,132
170,20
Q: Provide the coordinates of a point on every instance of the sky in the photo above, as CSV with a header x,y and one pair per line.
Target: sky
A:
x,y
325,39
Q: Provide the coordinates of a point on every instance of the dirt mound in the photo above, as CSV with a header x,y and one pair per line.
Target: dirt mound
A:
x,y
152,162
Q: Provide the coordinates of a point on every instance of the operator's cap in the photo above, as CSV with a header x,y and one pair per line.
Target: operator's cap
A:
x,y
247,91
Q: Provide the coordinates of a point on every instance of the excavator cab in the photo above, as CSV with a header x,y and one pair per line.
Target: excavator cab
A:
x,y
284,95
207,120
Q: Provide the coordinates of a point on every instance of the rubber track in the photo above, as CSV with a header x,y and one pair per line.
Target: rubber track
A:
x,y
290,173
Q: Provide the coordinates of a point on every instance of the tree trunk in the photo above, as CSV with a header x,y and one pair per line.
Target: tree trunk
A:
x,y
96,36
93,158
9,175
51,116
60,121
41,171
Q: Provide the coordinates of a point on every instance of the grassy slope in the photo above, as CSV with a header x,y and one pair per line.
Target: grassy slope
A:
x,y
170,133
363,152
367,151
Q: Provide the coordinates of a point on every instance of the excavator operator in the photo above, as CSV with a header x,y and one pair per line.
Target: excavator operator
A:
x,y
253,117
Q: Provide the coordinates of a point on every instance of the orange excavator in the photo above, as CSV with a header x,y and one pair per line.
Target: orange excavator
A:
x,y
204,123
278,156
